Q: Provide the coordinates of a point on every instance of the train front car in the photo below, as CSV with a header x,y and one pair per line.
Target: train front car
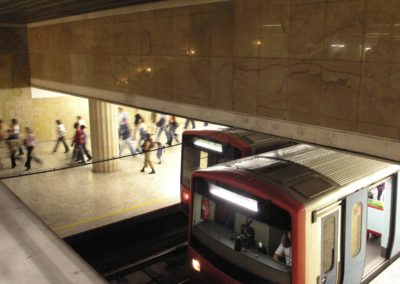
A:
x,y
244,229
205,147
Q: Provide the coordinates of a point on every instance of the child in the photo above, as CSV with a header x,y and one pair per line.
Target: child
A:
x,y
160,150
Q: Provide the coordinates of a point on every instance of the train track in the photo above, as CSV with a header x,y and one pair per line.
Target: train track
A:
x,y
146,249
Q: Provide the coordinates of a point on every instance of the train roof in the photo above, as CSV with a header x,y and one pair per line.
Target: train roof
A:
x,y
251,137
310,171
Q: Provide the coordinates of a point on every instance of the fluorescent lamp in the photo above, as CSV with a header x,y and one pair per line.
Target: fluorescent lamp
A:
x,y
208,145
233,197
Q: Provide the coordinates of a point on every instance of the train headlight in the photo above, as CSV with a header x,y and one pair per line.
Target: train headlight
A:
x,y
185,196
196,264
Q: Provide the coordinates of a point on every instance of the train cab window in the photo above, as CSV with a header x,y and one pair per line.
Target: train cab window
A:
x,y
328,243
241,231
199,157
356,222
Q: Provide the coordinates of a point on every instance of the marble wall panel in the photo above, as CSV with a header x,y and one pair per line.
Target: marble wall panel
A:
x,y
199,88
340,94
221,83
164,34
306,31
247,28
343,31
380,23
274,30
126,36
164,77
13,39
221,29
148,33
82,68
6,60
200,43
378,102
180,32
147,79
245,79
272,87
20,73
181,78
57,67
304,90
128,71
82,37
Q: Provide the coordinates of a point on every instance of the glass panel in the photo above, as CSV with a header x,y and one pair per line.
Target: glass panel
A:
x,y
356,220
237,232
328,244
203,160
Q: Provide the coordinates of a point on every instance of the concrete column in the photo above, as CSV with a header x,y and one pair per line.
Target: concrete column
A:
x,y
104,135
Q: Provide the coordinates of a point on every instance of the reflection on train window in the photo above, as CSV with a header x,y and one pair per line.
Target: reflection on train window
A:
x,y
328,243
376,196
195,157
241,229
356,222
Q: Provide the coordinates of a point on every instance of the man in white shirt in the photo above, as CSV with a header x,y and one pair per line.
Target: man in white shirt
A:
x,y
61,133
284,251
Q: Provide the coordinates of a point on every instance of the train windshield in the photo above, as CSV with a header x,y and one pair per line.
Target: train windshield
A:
x,y
202,152
241,235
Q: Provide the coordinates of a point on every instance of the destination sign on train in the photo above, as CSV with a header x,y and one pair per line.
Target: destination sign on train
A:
x,y
208,145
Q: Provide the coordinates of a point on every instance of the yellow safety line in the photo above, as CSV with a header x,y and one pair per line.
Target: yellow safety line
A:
x,y
92,219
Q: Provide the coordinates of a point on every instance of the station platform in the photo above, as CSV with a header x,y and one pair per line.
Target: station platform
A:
x,y
32,253
74,200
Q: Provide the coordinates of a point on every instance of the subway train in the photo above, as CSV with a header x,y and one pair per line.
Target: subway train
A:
x,y
205,147
300,214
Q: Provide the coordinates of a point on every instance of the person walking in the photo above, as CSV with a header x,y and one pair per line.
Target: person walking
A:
x,y
77,142
170,130
125,136
30,143
160,151
61,133
187,123
13,145
84,139
15,134
161,124
146,148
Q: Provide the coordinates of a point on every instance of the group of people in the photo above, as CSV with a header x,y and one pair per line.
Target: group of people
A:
x,y
11,136
144,141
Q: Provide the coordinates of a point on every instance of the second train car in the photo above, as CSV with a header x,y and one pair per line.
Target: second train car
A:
x,y
205,147
295,215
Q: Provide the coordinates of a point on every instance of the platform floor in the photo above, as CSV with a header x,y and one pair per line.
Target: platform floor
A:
x,y
77,199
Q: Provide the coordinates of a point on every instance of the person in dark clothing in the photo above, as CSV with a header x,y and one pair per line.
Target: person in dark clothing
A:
x,y
146,148
13,145
170,130
125,136
77,142
187,123
85,150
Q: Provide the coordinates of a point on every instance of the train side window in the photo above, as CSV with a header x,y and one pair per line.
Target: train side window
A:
x,y
328,243
356,219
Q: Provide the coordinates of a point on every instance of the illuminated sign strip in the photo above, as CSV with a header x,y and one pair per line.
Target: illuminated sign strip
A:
x,y
233,197
208,145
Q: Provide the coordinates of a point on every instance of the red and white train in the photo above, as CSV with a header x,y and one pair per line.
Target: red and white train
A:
x,y
202,148
312,203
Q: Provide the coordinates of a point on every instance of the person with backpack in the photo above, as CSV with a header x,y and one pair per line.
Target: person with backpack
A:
x,y
125,135
148,144
171,130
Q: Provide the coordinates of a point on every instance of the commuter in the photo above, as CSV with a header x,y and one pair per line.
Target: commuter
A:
x,y
13,145
125,136
171,130
84,139
15,128
136,124
77,142
142,132
80,120
147,146
187,123
61,133
122,115
161,124
160,151
30,143
284,251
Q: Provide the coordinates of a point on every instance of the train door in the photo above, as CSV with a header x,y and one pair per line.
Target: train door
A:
x,y
354,237
329,247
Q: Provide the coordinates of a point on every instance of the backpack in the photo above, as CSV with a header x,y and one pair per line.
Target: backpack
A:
x,y
152,145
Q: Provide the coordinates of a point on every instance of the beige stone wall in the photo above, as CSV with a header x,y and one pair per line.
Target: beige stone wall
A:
x,y
15,94
47,110
333,64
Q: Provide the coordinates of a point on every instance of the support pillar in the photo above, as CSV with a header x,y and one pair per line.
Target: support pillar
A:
x,y
104,135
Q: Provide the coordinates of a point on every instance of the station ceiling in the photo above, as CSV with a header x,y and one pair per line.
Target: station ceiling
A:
x,y
29,11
